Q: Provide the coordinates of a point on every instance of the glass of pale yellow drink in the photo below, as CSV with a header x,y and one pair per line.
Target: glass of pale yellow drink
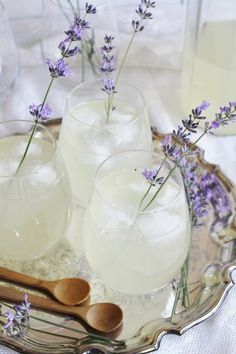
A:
x,y
133,246
35,199
87,138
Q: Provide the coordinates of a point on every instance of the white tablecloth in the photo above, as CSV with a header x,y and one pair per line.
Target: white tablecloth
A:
x,y
217,335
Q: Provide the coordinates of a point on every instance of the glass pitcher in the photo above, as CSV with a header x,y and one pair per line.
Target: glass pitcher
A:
x,y
209,67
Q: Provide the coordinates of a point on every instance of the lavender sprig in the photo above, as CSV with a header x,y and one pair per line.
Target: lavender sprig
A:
x,y
171,143
41,112
109,84
18,324
144,14
107,67
88,45
199,191
60,68
223,118
137,24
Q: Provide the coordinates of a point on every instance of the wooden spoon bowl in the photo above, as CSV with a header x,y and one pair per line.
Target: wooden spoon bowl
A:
x,y
68,291
106,317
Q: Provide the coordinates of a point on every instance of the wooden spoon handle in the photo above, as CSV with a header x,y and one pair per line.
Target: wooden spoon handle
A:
x,y
11,275
16,296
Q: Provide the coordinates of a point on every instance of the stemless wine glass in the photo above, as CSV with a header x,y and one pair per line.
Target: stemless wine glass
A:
x,y
134,246
86,139
59,16
34,199
8,55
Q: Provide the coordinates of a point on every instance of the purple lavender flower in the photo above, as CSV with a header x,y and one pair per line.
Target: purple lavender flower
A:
x,y
65,51
183,154
109,86
60,68
108,47
219,200
202,189
108,63
90,9
107,67
171,144
81,22
137,26
214,125
216,195
75,32
144,14
227,109
18,324
167,146
151,177
108,39
190,125
23,308
41,113
180,135
10,319
202,107
195,192
226,115
149,3
149,174
166,142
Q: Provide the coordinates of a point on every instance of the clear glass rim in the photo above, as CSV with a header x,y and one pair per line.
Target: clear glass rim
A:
x,y
137,212
101,4
108,127
43,127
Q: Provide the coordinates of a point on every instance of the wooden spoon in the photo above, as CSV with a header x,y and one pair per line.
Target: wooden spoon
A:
x,y
69,291
102,317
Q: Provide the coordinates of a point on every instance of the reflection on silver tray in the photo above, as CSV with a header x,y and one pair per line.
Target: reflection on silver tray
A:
x,y
146,317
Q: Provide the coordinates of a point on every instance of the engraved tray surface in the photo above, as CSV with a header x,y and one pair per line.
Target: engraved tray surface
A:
x,y
146,317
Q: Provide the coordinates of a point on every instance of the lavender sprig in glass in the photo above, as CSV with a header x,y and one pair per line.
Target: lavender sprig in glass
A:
x,y
108,67
41,112
108,63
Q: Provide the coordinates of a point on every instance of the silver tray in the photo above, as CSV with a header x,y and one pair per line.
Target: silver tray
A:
x,y
148,317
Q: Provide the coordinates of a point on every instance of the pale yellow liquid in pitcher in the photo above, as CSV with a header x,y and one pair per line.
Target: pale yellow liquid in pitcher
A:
x,y
214,71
